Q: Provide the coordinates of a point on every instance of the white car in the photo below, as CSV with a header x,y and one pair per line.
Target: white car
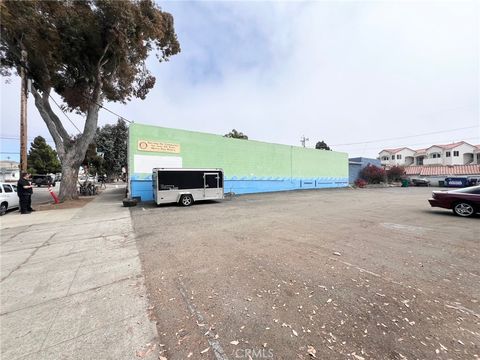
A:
x,y
8,197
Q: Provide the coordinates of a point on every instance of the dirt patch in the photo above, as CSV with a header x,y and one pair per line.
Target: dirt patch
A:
x,y
70,204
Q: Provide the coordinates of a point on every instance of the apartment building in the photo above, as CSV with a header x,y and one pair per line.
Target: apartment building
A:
x,y
459,153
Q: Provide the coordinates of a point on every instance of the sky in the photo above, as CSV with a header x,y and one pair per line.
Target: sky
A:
x,y
360,75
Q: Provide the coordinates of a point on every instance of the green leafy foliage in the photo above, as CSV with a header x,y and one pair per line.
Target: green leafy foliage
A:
x,y
73,46
322,145
93,163
111,140
236,135
42,159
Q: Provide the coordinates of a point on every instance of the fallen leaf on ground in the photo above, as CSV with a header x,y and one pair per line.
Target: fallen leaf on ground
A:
x,y
150,348
235,342
311,351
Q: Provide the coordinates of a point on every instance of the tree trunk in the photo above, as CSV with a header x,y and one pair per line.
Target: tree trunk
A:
x,y
68,185
71,152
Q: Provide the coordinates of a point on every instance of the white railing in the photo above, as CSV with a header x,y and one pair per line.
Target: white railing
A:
x,y
433,161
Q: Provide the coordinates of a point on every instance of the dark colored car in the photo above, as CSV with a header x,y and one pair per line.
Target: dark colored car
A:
x,y
464,202
40,180
420,182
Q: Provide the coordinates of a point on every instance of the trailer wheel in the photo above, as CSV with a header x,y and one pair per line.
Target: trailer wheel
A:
x,y
186,200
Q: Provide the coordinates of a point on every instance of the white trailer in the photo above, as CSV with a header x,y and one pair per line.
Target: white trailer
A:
x,y
185,186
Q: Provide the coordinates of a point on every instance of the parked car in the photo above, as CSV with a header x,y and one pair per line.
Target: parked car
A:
x,y
8,197
464,202
40,180
421,182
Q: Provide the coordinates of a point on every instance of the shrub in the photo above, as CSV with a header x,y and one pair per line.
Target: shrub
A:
x,y
360,183
395,173
373,174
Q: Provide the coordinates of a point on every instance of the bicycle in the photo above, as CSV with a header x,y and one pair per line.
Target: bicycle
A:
x,y
87,189
102,181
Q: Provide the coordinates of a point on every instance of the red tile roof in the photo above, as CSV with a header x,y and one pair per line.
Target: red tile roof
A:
x,y
443,170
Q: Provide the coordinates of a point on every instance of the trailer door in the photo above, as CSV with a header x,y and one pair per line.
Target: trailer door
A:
x,y
211,184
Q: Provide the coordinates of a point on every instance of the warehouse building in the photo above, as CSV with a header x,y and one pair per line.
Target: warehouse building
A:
x,y
249,166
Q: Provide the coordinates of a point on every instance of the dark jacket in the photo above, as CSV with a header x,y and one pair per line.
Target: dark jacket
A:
x,y
20,190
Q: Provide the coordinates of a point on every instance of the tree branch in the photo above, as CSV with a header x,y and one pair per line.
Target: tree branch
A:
x,y
60,128
100,63
46,116
91,121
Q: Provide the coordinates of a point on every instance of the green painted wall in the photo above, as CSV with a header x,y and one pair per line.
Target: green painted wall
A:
x,y
240,158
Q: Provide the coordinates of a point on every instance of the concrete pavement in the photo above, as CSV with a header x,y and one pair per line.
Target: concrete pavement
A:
x,y
73,288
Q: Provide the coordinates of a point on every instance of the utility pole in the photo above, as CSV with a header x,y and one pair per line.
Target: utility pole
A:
x,y
303,139
23,114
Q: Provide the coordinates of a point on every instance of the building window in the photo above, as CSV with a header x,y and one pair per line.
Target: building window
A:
x,y
447,154
399,156
455,153
393,157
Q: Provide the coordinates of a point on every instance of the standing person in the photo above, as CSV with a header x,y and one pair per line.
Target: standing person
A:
x,y
24,192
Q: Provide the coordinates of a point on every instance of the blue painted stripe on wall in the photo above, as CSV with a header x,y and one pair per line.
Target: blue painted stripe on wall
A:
x,y
143,187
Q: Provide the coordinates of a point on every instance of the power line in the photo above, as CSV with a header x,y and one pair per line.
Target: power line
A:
x,y
407,137
51,97
112,112
8,137
86,97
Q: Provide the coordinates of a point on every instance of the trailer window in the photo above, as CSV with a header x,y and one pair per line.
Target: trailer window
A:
x,y
179,180
211,181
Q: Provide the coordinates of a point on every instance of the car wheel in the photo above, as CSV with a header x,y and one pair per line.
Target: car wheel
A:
x,y
464,209
186,200
3,209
